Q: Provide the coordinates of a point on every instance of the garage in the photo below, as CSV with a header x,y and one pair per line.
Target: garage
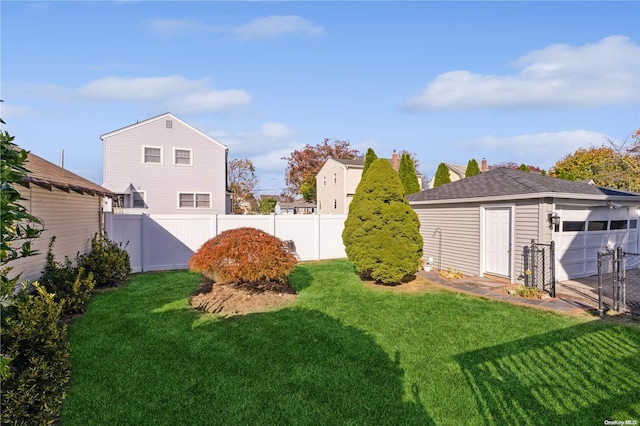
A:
x,y
582,232
485,224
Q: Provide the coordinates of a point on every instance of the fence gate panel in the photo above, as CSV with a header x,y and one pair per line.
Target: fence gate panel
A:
x,y
630,282
606,280
539,262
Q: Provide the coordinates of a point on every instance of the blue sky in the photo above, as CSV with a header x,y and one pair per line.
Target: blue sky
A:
x,y
523,82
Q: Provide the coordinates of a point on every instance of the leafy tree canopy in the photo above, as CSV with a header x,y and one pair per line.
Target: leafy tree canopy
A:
x,y
605,165
242,182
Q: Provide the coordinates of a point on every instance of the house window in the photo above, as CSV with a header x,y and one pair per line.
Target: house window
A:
x,y
191,200
335,178
618,224
598,225
324,181
139,200
633,224
319,205
151,155
335,204
168,124
182,157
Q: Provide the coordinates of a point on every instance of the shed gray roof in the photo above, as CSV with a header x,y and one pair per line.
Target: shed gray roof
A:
x,y
509,183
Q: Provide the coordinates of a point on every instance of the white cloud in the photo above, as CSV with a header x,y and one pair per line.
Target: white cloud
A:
x,y
174,93
178,27
560,75
269,138
539,149
8,111
277,25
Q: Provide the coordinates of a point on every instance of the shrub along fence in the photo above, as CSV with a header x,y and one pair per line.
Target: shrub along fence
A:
x,y
166,242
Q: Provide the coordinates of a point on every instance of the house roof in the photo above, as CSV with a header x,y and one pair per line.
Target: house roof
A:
x,y
47,175
160,117
354,162
504,183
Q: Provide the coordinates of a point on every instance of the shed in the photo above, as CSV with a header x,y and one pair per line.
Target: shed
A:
x,y
70,207
480,225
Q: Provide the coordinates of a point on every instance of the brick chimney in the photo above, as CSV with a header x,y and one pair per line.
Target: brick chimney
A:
x,y
484,165
394,160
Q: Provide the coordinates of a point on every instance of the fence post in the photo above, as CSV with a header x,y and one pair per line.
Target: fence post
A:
x,y
552,260
533,264
526,252
600,308
618,275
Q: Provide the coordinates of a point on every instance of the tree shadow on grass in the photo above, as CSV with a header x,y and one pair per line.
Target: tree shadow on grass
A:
x,y
585,374
292,366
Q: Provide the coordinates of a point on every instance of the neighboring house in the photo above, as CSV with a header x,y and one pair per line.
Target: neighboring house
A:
x,y
456,172
481,224
70,208
295,207
337,180
164,165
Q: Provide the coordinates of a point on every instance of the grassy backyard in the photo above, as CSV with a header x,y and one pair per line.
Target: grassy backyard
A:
x,y
344,354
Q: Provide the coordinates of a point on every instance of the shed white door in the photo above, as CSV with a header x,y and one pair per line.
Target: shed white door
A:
x,y
583,232
498,241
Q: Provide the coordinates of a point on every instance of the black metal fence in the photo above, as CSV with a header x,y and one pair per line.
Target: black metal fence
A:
x,y
619,281
539,265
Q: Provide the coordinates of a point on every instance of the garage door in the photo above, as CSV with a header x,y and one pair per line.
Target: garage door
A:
x,y
582,233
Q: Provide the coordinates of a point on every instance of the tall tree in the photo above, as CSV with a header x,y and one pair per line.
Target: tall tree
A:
x,y
407,174
442,175
382,232
605,165
303,165
369,158
472,168
242,183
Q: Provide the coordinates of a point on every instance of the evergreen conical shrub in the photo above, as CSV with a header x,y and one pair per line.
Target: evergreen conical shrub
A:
x,y
369,158
472,168
408,175
382,232
442,175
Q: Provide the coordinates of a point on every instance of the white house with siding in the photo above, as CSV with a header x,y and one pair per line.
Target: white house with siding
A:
x,y
163,165
70,208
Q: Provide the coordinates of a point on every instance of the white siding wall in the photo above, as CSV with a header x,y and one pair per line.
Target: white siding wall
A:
x,y
123,163
71,217
329,192
457,243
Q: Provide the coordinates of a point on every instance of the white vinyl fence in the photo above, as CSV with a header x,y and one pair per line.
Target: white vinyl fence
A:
x,y
166,242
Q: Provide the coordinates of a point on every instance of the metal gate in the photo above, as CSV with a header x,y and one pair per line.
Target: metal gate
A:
x,y
619,281
540,266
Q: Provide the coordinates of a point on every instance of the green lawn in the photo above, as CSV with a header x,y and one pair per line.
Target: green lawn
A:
x,y
344,354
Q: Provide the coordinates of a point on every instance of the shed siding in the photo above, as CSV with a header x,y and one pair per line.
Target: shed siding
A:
x,y
71,217
123,163
460,231
527,228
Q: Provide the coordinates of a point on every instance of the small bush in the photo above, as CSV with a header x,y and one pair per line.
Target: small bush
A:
x,y
72,288
244,255
528,292
108,261
39,364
